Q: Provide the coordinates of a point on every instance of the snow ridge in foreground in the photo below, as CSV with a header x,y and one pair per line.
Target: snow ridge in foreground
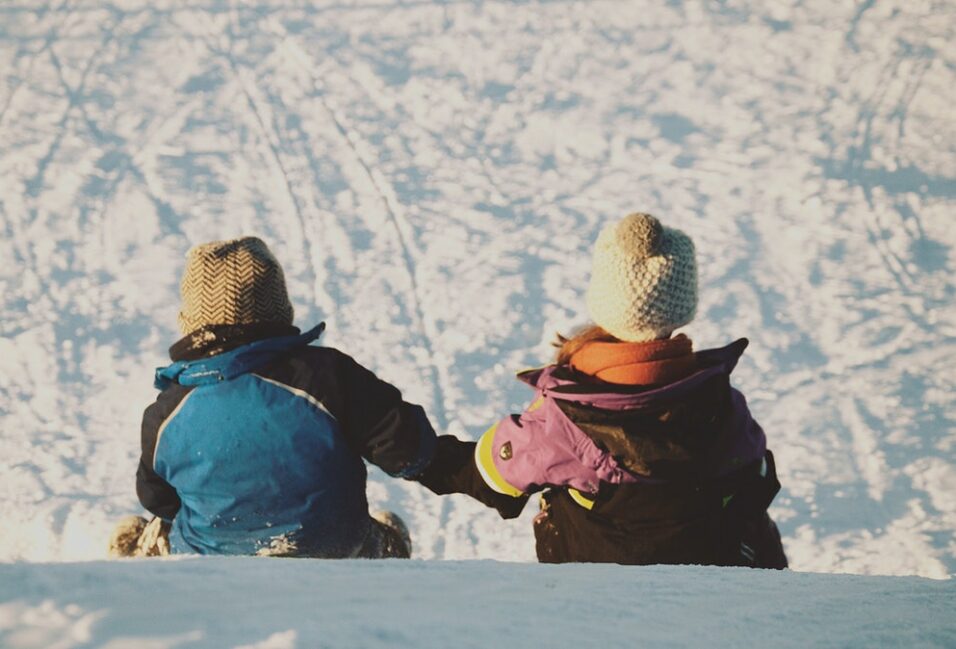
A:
x,y
283,604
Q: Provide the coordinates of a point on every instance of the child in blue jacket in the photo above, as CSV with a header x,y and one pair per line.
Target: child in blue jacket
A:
x,y
255,444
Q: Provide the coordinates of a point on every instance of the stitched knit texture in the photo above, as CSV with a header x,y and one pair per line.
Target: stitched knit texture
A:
x,y
233,282
643,280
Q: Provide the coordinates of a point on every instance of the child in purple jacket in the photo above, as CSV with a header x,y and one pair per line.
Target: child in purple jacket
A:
x,y
645,452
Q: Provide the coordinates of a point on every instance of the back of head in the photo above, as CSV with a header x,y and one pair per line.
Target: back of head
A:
x,y
233,282
644,279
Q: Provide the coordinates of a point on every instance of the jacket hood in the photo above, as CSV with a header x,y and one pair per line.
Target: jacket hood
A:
x,y
696,426
233,363
565,384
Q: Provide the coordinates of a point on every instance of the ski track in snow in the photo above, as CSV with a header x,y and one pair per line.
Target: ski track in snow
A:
x,y
432,176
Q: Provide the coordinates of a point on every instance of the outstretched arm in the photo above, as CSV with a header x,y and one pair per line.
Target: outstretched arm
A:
x,y
541,448
396,435
387,431
453,470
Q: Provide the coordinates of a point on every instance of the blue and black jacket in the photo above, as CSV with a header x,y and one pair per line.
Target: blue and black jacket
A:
x,y
255,444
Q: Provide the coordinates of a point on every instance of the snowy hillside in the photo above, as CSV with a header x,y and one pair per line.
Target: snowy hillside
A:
x,y
432,176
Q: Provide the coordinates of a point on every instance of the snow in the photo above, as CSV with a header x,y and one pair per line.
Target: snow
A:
x,y
432,176
199,603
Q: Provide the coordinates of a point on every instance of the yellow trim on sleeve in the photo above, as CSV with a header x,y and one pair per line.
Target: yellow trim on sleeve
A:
x,y
537,404
580,498
484,459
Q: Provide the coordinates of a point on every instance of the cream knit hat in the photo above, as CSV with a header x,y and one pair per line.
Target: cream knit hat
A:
x,y
233,282
644,279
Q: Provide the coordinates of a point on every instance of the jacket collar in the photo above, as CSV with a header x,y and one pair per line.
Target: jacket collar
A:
x,y
235,362
566,384
212,340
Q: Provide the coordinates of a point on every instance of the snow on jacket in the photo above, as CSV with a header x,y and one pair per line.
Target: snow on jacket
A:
x,y
258,448
546,446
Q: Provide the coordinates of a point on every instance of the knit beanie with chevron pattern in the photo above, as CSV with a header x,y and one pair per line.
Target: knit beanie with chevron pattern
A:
x,y
643,281
233,282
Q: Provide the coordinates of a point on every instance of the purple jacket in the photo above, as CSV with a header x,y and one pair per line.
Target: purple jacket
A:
x,y
545,447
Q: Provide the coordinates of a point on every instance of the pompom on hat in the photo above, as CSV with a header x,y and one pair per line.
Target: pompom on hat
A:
x,y
643,280
231,283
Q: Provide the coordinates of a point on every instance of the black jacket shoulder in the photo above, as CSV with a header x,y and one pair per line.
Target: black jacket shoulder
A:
x,y
374,418
155,494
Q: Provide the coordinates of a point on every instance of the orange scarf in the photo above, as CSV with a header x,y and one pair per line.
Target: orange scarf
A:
x,y
658,362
